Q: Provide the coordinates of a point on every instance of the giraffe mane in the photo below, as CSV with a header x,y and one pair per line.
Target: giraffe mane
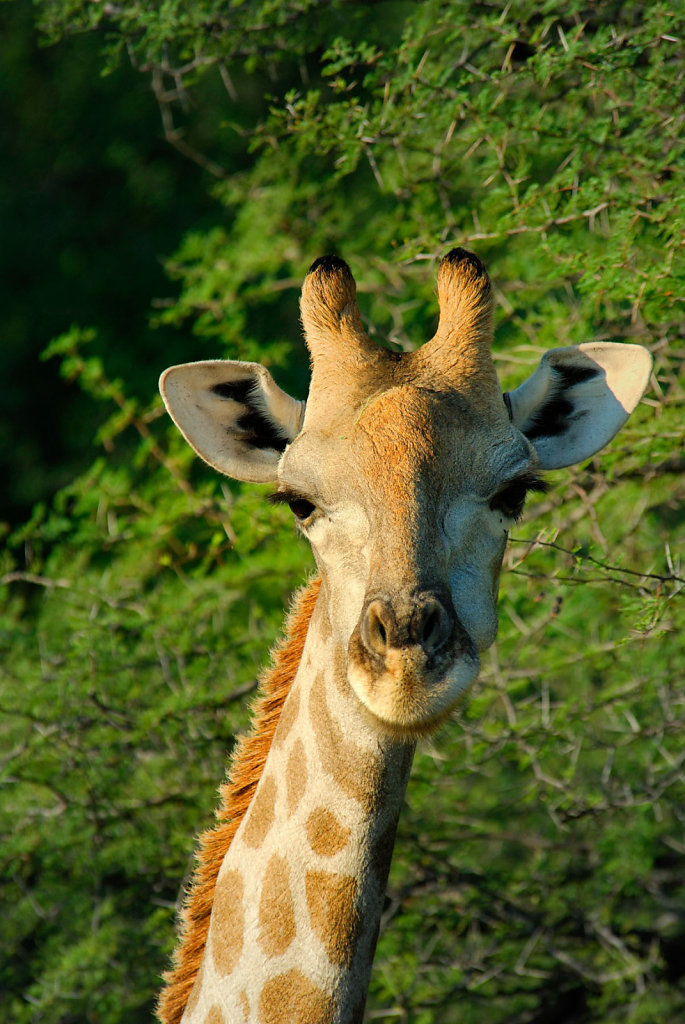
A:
x,y
247,764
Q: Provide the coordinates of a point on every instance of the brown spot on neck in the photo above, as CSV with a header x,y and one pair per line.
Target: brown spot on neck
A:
x,y
292,998
334,914
214,1016
261,816
288,718
228,923
276,911
296,776
325,833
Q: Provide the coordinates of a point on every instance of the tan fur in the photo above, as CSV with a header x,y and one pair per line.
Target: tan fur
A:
x,y
329,311
459,352
346,365
236,795
350,372
379,422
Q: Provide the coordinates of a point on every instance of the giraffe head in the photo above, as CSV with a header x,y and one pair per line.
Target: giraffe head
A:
x,y
405,472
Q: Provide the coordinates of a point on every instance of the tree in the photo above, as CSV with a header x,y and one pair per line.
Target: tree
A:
x,y
539,866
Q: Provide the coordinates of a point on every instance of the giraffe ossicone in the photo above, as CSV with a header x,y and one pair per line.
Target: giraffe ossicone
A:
x,y
405,472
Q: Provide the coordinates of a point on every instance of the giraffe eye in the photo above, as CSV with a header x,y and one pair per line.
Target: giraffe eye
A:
x,y
301,508
511,499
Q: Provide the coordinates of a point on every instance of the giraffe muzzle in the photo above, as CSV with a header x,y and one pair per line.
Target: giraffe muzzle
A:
x,y
410,660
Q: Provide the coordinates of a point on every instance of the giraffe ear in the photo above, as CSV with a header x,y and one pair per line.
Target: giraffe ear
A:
x,y
578,398
233,414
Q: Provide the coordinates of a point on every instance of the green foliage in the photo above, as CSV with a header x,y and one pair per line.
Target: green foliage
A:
x,y
539,868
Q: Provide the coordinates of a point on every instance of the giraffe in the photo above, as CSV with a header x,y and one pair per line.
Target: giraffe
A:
x,y
405,472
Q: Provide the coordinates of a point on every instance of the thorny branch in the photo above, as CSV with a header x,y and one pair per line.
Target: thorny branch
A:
x,y
579,556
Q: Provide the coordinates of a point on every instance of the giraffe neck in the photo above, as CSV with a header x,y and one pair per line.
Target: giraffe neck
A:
x,y
298,898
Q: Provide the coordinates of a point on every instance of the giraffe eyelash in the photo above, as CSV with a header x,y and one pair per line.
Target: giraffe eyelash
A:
x,y
511,498
302,508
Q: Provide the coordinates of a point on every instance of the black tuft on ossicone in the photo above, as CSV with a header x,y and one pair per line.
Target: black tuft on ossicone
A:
x,y
459,255
329,265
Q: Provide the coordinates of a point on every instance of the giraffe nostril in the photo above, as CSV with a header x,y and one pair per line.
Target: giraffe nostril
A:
x,y
376,626
433,624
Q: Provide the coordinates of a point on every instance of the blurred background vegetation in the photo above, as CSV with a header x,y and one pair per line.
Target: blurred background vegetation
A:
x,y
168,172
